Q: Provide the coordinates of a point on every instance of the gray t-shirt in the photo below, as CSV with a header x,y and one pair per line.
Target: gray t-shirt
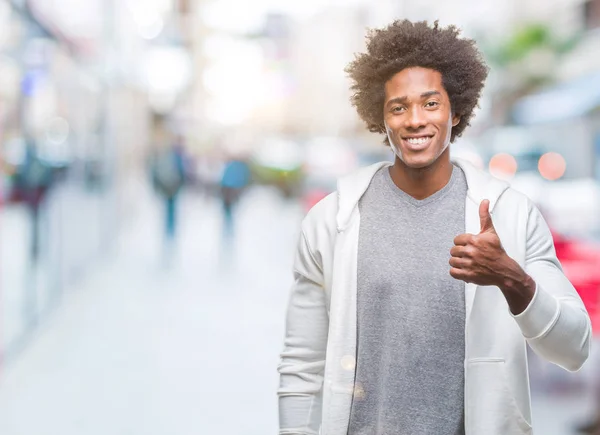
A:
x,y
411,312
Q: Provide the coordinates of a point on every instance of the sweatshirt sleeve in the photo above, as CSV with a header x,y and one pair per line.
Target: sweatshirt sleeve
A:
x,y
303,358
556,323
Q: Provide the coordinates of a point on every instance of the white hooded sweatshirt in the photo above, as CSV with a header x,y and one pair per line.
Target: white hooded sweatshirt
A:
x,y
318,362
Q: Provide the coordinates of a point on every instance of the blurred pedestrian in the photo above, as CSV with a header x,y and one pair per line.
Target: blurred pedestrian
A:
x,y
234,180
168,176
31,184
419,283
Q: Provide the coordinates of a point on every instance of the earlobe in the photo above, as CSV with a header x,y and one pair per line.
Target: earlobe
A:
x,y
455,120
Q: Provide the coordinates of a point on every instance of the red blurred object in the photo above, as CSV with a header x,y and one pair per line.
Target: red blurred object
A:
x,y
581,263
312,197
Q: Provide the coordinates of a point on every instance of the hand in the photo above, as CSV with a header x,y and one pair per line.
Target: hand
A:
x,y
479,258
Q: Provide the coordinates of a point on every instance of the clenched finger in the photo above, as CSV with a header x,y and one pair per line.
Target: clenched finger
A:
x,y
463,239
459,251
460,274
460,262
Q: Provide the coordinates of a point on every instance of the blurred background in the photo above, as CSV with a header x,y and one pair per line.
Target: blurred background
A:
x,y
157,157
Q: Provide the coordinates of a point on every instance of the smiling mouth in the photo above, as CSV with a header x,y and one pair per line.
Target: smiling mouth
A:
x,y
417,142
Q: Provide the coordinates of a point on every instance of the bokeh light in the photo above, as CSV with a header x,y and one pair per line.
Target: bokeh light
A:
x,y
552,166
503,165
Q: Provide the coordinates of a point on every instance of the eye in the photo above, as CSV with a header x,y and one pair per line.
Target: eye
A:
x,y
432,104
397,109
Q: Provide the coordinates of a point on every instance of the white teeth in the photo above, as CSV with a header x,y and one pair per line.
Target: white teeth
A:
x,y
418,140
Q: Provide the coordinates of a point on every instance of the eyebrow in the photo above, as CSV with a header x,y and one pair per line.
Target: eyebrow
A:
x,y
404,99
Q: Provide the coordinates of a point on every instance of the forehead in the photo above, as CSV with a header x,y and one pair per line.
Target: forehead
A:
x,y
414,81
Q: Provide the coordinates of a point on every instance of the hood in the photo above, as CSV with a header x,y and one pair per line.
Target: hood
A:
x,y
351,188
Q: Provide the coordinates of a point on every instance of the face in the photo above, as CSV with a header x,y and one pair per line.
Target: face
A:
x,y
418,116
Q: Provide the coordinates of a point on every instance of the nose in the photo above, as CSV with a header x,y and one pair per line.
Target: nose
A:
x,y
415,119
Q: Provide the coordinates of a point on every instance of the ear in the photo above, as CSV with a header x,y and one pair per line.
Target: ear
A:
x,y
455,120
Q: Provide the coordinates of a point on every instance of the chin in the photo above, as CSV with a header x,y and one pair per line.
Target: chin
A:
x,y
418,163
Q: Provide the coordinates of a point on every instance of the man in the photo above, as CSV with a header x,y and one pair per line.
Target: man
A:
x,y
234,180
168,176
418,284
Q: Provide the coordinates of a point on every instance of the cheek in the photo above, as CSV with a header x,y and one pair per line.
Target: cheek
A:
x,y
442,117
445,123
392,138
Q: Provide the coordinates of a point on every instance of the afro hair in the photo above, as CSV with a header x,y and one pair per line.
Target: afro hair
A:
x,y
404,44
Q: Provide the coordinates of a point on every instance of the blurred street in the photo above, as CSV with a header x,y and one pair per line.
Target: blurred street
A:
x,y
140,348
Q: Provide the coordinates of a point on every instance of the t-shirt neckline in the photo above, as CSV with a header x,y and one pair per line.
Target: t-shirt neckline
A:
x,y
421,202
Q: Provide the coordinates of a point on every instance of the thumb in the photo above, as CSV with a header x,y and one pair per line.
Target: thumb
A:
x,y
485,218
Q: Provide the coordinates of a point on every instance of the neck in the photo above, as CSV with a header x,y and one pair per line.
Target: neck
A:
x,y
422,182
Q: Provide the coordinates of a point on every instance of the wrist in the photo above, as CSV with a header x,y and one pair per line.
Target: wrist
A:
x,y
517,286
522,285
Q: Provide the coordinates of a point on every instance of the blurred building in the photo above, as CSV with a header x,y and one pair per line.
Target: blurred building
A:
x,y
81,82
563,115
320,102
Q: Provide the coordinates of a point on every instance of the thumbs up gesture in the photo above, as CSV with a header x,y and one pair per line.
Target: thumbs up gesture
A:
x,y
479,258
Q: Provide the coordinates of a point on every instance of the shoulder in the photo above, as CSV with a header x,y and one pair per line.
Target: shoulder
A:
x,y
518,210
514,197
322,209
319,227
516,200
322,216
